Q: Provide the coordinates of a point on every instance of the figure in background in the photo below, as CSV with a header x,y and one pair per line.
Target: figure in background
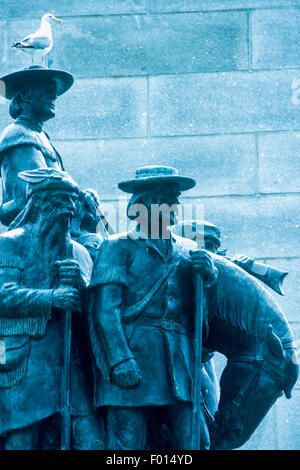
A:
x,y
86,220
211,235
207,233
246,325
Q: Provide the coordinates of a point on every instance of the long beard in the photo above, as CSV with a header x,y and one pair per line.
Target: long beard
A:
x,y
50,242
54,232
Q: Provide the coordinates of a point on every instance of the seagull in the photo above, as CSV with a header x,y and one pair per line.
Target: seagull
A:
x,y
39,43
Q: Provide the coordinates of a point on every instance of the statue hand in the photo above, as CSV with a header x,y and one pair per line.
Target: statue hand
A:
x,y
202,262
126,375
66,298
69,273
244,262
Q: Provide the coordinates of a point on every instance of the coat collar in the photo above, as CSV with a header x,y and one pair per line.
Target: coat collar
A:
x,y
28,123
138,235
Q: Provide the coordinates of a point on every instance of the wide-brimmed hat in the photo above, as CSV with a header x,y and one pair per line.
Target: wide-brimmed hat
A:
x,y
45,179
17,81
152,176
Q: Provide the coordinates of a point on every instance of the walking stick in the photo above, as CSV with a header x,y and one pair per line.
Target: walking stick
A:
x,y
196,391
65,382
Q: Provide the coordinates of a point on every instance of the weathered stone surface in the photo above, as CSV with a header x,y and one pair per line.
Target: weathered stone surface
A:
x,y
223,102
291,299
10,32
102,108
5,118
208,5
279,162
105,163
276,38
288,418
261,227
36,8
139,44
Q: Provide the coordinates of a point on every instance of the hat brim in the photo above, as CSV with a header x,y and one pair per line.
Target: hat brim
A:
x,y
184,183
17,81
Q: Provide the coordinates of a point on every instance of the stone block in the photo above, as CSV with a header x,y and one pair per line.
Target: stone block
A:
x,y
223,103
291,299
275,38
288,418
279,162
127,45
216,162
103,108
36,8
261,226
210,5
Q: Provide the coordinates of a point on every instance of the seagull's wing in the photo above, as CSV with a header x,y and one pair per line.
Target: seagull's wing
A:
x,y
34,42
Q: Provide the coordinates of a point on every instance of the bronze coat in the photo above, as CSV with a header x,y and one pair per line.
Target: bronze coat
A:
x,y
160,338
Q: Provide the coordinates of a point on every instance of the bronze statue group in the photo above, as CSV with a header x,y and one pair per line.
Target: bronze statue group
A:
x,y
99,335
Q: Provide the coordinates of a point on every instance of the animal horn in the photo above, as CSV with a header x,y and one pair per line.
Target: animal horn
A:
x,y
271,276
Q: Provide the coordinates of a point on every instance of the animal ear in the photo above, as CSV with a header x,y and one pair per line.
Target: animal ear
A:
x,y
274,343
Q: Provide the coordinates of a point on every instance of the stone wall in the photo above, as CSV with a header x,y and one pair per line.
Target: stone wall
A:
x,y
210,87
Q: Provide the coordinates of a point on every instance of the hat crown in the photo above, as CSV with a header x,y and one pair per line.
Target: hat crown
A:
x,y
146,177
16,81
41,174
43,179
155,170
35,67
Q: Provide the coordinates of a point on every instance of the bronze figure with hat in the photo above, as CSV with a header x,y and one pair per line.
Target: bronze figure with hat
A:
x,y
43,278
24,144
143,319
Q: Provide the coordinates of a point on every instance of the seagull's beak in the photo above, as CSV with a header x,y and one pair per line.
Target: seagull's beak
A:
x,y
57,20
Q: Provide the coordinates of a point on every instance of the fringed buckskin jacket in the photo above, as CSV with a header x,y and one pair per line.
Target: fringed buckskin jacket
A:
x,y
32,333
159,337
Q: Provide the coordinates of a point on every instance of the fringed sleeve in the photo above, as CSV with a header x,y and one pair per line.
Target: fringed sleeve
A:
x,y
22,310
110,266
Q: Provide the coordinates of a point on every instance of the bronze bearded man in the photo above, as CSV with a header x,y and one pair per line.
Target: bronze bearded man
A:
x,y
43,274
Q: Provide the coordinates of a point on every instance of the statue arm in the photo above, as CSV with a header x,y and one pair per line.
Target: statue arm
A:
x,y
15,160
17,301
107,323
20,302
